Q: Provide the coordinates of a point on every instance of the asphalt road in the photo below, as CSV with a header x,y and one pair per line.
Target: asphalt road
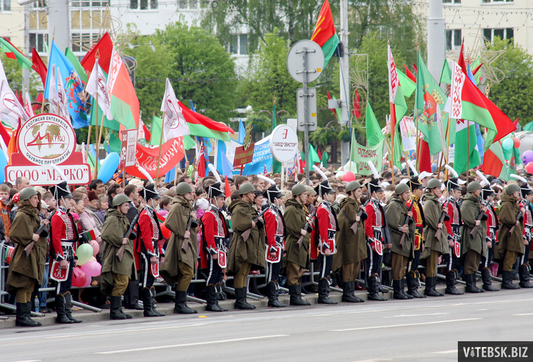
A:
x,y
413,330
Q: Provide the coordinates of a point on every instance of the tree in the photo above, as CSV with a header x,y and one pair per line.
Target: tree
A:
x,y
513,94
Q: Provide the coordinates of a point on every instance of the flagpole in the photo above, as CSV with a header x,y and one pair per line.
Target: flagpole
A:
x,y
407,164
448,144
98,145
418,143
160,144
90,124
393,126
282,174
468,148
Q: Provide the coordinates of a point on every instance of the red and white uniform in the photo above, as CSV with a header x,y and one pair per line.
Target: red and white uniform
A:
x,y
214,237
64,233
453,224
148,236
492,224
528,220
418,217
275,232
326,227
374,225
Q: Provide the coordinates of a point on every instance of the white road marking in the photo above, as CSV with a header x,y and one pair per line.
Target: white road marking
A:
x,y
194,344
405,325
522,314
415,315
446,352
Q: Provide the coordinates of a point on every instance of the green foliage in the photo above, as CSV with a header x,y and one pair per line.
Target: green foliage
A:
x,y
14,76
513,93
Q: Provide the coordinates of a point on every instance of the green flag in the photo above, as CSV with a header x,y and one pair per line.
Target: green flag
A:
x,y
325,158
276,165
407,84
313,156
76,64
400,107
360,155
446,73
373,130
429,100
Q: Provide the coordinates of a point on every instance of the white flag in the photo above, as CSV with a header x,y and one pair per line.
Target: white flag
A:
x,y
62,100
27,104
9,104
174,124
97,84
53,97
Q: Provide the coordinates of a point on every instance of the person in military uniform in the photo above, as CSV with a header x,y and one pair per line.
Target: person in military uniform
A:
x,y
181,254
453,227
26,271
326,227
245,254
433,247
351,248
413,275
473,247
147,249
117,271
275,244
215,237
510,240
376,229
64,234
524,268
297,227
401,225
487,194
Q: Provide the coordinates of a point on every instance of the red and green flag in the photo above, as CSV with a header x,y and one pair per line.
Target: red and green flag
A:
x,y
325,34
12,52
494,163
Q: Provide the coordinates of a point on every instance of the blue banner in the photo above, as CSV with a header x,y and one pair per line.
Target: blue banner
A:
x,y
262,157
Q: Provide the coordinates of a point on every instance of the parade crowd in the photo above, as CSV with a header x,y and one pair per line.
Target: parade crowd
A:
x,y
372,233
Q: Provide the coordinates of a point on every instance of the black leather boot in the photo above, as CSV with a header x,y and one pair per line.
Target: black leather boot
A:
x,y
272,294
471,287
398,292
412,285
450,284
402,287
116,309
60,309
153,303
181,306
211,299
23,316
240,302
146,296
323,292
523,271
68,308
507,280
373,289
295,292
348,294
487,280
431,282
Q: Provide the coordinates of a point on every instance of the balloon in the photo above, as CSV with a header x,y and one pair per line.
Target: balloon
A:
x,y
508,143
92,268
3,164
527,157
93,258
79,278
108,168
96,246
87,282
165,231
516,143
348,176
529,167
84,253
340,175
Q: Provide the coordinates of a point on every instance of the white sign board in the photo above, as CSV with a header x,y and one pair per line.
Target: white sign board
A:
x,y
284,143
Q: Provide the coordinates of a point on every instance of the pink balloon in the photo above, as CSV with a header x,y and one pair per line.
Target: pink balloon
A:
x,y
516,142
79,278
529,167
87,282
92,268
96,246
348,176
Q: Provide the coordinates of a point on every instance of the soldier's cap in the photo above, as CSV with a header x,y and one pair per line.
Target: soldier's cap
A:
x,y
454,183
324,188
511,188
424,174
473,186
414,183
353,185
61,190
149,192
525,189
486,191
215,190
433,184
401,188
374,185
272,193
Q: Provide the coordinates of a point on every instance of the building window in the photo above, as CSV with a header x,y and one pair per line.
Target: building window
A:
x,y
91,3
243,44
191,4
40,4
5,5
38,41
453,39
143,4
496,1
82,42
455,2
502,33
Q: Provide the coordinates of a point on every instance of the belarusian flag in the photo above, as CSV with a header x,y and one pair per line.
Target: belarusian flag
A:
x,y
430,99
12,52
125,106
494,162
398,107
461,146
325,34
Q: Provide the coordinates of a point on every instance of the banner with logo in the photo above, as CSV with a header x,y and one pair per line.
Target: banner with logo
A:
x,y
262,157
361,155
171,154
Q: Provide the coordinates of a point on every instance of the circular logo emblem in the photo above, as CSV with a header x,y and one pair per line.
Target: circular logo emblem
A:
x,y
284,143
47,139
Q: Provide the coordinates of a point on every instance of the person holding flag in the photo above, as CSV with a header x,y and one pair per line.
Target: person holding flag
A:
x,y
413,275
147,249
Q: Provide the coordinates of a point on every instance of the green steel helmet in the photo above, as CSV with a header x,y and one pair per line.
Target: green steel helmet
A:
x,y
183,188
433,184
353,185
510,189
26,193
120,199
298,189
474,185
246,188
401,188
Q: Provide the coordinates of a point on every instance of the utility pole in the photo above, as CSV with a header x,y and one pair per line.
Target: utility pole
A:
x,y
59,23
345,80
436,38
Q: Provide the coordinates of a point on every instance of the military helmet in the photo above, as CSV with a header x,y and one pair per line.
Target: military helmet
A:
x,y
120,199
401,188
298,189
353,185
27,192
473,186
433,184
511,188
246,188
183,188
